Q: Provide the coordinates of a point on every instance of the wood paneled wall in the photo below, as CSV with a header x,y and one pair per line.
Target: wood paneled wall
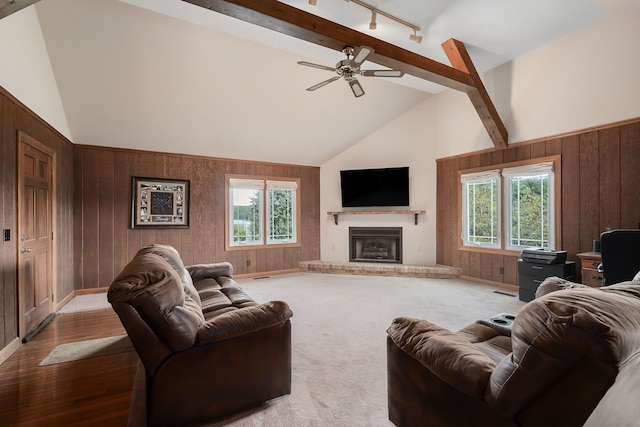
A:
x,y
600,189
92,234
105,242
14,117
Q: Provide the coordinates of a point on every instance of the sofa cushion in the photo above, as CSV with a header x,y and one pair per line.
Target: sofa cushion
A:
x,y
211,270
221,295
151,286
171,255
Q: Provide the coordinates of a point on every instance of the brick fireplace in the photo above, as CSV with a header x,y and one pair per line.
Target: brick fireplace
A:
x,y
375,244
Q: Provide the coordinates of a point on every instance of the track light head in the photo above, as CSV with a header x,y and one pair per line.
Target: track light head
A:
x,y
373,24
415,37
313,2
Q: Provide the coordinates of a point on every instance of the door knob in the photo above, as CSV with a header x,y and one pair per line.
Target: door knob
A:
x,y
23,250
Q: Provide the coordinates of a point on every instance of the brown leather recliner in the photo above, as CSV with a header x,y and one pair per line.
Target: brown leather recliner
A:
x,y
208,349
566,350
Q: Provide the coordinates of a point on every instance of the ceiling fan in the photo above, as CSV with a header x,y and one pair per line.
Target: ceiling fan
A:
x,y
349,68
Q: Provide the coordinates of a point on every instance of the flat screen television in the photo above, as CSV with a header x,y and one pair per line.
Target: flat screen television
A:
x,y
375,187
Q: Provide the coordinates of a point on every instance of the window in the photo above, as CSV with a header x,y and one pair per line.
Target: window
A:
x,y
246,211
481,205
262,212
281,212
517,202
529,196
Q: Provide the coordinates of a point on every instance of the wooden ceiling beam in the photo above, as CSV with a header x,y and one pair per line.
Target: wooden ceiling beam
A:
x,y
297,23
460,59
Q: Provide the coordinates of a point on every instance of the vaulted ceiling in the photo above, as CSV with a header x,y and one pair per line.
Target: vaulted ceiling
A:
x,y
167,75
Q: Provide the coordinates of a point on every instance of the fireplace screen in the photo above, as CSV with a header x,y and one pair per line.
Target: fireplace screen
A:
x,y
375,244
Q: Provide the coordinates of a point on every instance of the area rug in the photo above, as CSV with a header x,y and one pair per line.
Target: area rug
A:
x,y
87,349
88,302
339,371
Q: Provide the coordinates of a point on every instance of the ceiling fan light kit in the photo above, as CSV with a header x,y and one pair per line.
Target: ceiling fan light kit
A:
x,y
349,68
375,12
356,88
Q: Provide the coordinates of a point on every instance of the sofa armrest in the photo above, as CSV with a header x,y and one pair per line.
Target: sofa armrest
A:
x,y
210,271
446,354
243,321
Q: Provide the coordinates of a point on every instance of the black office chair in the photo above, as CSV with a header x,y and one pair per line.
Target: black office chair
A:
x,y
620,250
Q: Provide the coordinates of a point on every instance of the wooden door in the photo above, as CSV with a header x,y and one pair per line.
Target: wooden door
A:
x,y
35,223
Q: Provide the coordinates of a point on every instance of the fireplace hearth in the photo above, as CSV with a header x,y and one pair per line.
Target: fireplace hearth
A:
x,y
375,244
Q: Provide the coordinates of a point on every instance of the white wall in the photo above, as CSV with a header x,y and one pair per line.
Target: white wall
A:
x,y
591,78
406,141
25,70
586,79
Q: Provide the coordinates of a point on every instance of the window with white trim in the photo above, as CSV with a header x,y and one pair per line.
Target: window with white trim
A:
x,y
281,212
262,212
529,196
481,208
510,207
246,201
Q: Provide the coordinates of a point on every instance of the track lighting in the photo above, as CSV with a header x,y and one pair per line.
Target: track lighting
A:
x,y
375,12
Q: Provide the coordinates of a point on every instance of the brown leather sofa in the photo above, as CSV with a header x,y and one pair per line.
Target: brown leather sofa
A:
x,y
208,349
565,351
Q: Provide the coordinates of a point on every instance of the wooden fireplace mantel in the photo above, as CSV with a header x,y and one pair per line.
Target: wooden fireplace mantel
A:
x,y
408,212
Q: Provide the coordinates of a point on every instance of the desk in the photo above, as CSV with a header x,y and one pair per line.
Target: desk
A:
x,y
590,262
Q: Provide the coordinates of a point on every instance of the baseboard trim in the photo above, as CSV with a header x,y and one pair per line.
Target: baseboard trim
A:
x,y
64,300
8,351
265,273
510,287
90,291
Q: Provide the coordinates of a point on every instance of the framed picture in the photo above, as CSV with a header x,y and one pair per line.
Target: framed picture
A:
x,y
159,203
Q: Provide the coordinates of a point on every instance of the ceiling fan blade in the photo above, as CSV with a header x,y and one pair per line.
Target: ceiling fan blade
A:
x,y
356,88
311,64
324,83
382,73
361,54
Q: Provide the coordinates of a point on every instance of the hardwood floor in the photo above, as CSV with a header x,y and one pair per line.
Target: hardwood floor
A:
x,y
95,391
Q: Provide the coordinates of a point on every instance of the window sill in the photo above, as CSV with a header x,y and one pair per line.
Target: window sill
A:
x,y
261,247
506,252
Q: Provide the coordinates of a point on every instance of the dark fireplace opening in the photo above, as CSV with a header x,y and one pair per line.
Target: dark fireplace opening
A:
x,y
375,244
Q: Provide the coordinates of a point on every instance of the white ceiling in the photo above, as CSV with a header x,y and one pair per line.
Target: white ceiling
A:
x,y
165,75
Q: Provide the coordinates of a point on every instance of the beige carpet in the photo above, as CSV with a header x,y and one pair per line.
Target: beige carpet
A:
x,y
338,340
89,302
86,349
